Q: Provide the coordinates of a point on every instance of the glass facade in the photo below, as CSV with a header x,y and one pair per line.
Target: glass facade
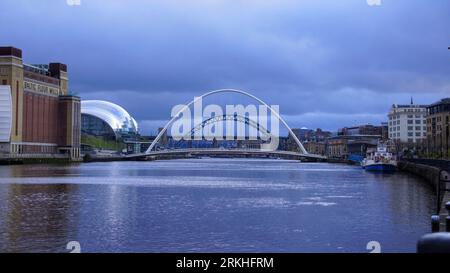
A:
x,y
91,125
108,120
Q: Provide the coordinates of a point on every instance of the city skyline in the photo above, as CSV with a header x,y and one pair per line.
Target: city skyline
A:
x,y
314,56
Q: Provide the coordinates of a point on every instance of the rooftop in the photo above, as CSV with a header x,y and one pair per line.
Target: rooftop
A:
x,y
37,68
409,106
442,101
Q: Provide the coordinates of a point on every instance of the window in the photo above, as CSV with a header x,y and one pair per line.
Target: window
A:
x,y
410,116
418,121
418,128
410,134
418,134
410,128
410,121
4,82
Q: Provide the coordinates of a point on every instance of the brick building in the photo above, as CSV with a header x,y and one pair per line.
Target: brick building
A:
x,y
39,115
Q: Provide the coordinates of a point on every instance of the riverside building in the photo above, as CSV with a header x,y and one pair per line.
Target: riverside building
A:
x,y
38,116
438,121
407,123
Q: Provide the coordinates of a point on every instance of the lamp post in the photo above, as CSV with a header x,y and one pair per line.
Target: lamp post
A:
x,y
447,132
446,138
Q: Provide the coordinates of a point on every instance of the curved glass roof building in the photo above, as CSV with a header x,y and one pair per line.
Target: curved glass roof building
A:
x,y
106,119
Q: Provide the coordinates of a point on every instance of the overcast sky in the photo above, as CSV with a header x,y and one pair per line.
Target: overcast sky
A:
x,y
327,64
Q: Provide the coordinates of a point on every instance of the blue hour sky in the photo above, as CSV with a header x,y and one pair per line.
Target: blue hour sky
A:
x,y
327,63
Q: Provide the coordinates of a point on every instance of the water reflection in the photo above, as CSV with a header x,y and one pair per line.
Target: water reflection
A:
x,y
210,205
41,214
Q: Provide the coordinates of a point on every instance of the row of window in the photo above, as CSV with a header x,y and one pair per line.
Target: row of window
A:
x,y
417,121
418,134
397,116
410,134
410,128
410,121
437,127
437,119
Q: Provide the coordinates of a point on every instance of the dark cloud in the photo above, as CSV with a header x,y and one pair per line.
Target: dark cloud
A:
x,y
326,63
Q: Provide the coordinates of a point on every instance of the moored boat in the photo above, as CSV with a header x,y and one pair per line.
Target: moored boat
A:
x,y
380,161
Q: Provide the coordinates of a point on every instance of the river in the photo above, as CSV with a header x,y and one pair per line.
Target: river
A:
x,y
210,205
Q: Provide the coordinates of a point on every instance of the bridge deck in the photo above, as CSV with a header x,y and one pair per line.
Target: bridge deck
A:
x,y
230,152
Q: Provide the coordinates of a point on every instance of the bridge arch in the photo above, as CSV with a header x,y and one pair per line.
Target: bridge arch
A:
x,y
224,117
273,112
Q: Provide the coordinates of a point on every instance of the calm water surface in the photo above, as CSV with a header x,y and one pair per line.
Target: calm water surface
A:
x,y
210,205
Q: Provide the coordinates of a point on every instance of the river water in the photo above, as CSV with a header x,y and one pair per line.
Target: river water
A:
x,y
210,205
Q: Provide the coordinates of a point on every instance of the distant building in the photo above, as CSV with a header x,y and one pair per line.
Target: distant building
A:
x,y
438,137
107,120
384,130
306,135
337,147
362,130
346,146
164,140
38,115
407,123
313,147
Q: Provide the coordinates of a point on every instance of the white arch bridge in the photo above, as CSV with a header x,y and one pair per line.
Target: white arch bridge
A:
x,y
303,154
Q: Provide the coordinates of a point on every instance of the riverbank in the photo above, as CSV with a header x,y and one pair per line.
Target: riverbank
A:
x,y
430,175
36,159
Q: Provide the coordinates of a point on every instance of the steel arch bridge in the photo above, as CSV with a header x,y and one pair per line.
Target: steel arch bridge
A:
x,y
207,94
303,154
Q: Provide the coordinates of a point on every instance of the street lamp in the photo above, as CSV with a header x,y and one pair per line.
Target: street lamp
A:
x,y
447,132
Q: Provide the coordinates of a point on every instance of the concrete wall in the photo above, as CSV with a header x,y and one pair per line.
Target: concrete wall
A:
x,y
429,173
